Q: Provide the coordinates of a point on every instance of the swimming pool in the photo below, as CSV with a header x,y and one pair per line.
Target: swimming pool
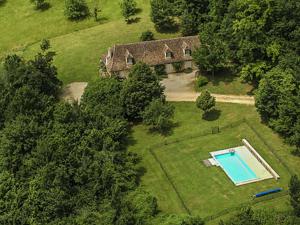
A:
x,y
235,167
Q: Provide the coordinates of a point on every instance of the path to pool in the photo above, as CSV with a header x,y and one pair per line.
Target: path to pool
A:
x,y
177,89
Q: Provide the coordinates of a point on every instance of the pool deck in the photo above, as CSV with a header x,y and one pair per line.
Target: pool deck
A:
x,y
246,155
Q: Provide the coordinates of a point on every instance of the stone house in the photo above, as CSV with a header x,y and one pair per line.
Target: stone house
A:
x,y
120,58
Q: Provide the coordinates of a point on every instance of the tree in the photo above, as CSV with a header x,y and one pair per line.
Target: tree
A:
x,y
103,95
128,9
294,191
194,14
158,115
206,102
147,36
212,56
141,87
76,9
162,15
96,10
277,101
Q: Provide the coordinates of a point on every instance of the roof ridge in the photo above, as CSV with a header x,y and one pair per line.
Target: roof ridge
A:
x,y
160,40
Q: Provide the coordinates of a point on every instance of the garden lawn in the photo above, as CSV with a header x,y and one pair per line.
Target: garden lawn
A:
x,y
79,45
207,191
226,83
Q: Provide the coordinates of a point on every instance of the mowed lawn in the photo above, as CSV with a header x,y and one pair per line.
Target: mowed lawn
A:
x,y
207,191
227,83
79,45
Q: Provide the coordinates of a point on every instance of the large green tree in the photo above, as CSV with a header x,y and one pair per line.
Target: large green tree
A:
x,y
212,55
141,87
162,15
277,101
158,115
294,189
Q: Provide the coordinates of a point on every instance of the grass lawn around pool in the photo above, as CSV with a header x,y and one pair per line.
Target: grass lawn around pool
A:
x,y
79,45
226,83
176,175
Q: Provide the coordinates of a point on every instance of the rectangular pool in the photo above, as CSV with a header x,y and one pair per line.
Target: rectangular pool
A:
x,y
235,167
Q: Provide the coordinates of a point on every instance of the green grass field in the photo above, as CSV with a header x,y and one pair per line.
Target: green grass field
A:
x,y
226,83
207,191
79,45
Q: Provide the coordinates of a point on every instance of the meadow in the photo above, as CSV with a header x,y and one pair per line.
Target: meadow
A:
x,y
176,175
79,45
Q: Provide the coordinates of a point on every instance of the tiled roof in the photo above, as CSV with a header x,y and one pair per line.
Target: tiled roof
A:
x,y
151,52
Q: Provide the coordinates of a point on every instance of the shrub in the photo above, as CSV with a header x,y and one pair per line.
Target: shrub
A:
x,y
76,9
147,36
160,70
206,102
201,81
39,4
178,66
128,8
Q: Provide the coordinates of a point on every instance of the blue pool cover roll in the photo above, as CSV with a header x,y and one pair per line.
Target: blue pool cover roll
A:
x,y
268,192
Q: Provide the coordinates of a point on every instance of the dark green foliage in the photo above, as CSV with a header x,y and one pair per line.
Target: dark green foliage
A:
x,y
194,14
201,81
206,102
212,56
147,36
103,95
294,188
162,15
260,217
76,9
128,9
277,101
178,66
158,115
141,87
160,70
40,4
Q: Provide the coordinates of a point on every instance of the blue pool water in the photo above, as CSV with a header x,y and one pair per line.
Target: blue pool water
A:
x,y
235,167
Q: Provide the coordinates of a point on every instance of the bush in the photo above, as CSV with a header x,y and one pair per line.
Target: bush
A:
x,y
178,66
160,70
39,4
147,36
128,8
201,81
76,9
206,102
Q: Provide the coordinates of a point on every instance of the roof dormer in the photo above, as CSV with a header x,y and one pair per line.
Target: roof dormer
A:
x,y
129,58
168,52
186,49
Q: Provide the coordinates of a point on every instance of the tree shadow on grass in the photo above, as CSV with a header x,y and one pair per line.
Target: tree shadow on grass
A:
x,y
213,115
102,20
165,132
45,7
138,11
2,3
133,20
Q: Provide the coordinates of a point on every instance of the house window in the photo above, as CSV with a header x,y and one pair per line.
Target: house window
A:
x,y
188,52
168,54
129,60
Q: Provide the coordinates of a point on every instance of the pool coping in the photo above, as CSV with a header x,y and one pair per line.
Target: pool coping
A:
x,y
255,154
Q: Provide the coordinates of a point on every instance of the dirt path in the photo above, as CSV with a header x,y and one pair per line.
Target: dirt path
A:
x,y
73,91
179,88
192,96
